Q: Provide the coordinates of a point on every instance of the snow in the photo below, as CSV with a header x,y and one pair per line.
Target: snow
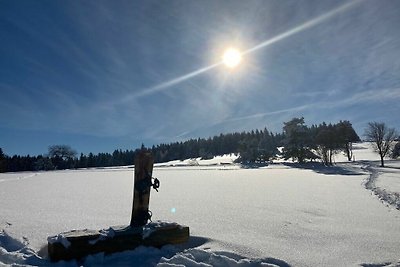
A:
x,y
149,228
60,238
389,177
199,257
279,215
104,234
224,160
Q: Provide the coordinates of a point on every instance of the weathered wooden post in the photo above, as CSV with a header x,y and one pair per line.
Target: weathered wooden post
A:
x,y
77,244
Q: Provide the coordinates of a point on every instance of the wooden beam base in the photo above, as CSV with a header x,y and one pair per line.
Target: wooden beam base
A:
x,y
77,244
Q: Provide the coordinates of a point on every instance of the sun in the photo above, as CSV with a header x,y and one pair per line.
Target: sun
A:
x,y
231,58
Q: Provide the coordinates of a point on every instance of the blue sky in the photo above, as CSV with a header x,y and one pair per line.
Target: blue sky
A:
x,y
105,75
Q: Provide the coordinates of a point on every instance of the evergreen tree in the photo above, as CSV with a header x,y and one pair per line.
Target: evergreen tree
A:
x,y
267,146
43,164
2,161
248,150
297,141
91,162
82,162
396,151
347,136
327,142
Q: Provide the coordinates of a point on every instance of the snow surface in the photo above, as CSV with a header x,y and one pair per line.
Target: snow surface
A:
x,y
279,215
225,161
389,177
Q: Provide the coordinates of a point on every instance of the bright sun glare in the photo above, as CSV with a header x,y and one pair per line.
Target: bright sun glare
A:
x,y
231,57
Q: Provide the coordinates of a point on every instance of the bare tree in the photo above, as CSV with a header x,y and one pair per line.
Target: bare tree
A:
x,y
62,156
62,151
382,137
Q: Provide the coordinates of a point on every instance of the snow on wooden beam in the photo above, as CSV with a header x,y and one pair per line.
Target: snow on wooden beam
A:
x,y
80,243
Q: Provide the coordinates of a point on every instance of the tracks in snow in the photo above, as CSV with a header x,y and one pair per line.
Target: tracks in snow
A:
x,y
391,198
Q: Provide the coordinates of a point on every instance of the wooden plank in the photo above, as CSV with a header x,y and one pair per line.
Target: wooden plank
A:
x,y
141,191
80,243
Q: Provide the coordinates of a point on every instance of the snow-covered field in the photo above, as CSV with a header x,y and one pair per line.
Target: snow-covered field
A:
x,y
389,177
278,215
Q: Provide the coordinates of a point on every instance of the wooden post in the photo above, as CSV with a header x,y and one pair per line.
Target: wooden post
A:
x,y
141,190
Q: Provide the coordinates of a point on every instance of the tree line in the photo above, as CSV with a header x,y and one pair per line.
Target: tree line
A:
x,y
297,142
61,157
321,141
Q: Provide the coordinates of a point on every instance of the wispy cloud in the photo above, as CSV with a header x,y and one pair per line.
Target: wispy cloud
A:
x,y
361,98
315,93
374,95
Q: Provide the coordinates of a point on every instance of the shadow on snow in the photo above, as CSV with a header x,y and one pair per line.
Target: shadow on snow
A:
x,y
188,254
318,167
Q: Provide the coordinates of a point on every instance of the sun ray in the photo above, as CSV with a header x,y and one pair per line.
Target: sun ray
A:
x,y
169,83
304,26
